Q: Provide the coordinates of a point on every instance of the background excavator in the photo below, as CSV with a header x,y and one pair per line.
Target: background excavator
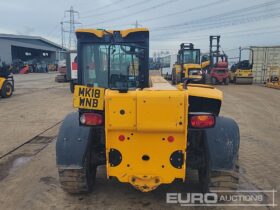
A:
x,y
241,72
188,65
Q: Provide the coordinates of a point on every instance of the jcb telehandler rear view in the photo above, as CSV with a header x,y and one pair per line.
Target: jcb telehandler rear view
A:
x,y
146,136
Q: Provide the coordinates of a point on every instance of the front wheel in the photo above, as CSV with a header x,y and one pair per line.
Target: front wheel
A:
x,y
72,86
173,77
226,81
7,90
213,80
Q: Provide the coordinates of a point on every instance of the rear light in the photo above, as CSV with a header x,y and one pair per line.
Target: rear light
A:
x,y
91,119
202,121
121,137
250,74
170,139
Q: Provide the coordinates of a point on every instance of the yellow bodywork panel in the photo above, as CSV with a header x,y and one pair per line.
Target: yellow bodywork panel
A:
x,y
88,97
177,68
200,90
244,73
101,33
150,138
187,67
2,80
205,64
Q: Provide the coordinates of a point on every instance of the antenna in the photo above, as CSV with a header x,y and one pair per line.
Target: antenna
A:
x,y
137,24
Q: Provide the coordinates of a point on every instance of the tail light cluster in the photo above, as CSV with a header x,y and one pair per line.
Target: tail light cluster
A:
x,y
91,119
201,121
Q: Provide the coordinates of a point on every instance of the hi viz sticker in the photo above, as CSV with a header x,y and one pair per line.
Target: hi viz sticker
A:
x,y
88,97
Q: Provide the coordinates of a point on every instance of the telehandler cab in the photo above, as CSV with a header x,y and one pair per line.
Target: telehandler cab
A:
x,y
145,134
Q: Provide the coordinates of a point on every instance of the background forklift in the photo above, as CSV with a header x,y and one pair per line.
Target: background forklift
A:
x,y
122,118
241,72
273,80
6,81
187,65
217,70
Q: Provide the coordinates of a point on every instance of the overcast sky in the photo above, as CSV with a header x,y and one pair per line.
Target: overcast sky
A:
x,y
239,22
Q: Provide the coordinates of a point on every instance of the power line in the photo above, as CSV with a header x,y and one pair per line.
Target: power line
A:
x,y
105,6
180,12
135,13
238,35
218,16
226,33
115,10
219,23
186,10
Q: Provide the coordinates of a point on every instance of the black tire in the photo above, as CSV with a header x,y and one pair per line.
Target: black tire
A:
x,y
226,81
213,80
72,86
173,77
7,90
77,181
211,181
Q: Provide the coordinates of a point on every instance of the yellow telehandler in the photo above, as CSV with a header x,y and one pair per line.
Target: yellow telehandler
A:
x,y
146,134
187,66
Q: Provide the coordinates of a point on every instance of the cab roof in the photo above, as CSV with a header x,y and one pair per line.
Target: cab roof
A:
x,y
101,32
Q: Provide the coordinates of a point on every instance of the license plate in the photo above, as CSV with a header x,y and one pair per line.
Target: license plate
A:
x,y
88,97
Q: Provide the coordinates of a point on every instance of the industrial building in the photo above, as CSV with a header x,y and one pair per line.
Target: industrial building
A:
x,y
30,49
264,58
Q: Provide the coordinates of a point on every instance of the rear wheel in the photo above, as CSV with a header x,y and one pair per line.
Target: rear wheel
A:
x,y
7,90
213,80
212,181
173,77
226,81
72,86
78,180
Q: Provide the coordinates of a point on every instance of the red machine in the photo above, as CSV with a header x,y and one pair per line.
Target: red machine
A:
x,y
219,72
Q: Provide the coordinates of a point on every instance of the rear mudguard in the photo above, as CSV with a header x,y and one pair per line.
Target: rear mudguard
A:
x,y
222,144
72,142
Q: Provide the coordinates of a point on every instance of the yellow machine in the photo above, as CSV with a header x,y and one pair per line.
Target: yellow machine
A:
x,y
273,80
187,65
241,73
146,133
6,82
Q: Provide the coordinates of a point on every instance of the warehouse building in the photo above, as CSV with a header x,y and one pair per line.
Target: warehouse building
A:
x,y
28,49
265,58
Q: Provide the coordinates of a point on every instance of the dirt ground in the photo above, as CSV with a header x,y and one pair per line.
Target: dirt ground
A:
x,y
29,123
